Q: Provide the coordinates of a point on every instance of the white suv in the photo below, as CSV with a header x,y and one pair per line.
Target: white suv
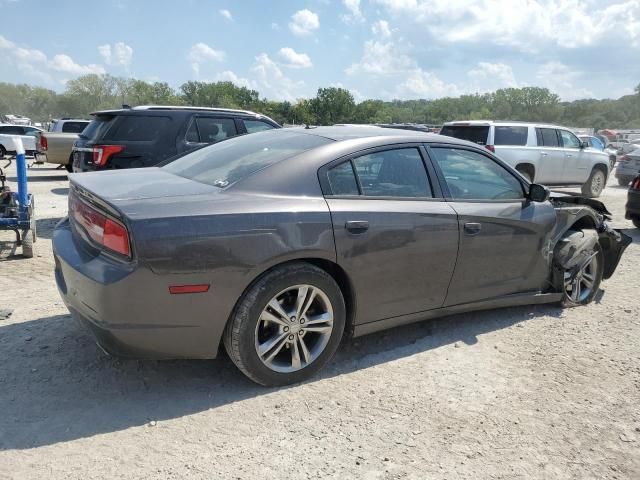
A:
x,y
546,154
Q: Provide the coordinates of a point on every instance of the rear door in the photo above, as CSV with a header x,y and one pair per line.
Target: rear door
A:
x,y
577,162
551,161
503,235
394,233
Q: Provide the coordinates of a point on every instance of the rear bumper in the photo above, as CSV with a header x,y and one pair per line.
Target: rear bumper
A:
x,y
626,171
632,207
129,309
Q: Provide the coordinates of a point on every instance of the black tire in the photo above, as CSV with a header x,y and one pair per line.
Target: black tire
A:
x,y
28,237
69,167
3,151
568,302
623,182
636,221
595,184
240,333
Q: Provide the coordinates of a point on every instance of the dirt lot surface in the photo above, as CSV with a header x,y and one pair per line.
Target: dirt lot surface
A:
x,y
531,392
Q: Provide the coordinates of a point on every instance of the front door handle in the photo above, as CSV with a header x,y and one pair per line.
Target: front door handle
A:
x,y
472,228
543,154
357,226
569,155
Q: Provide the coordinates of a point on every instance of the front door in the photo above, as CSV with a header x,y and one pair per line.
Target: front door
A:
x,y
577,166
550,169
503,236
397,240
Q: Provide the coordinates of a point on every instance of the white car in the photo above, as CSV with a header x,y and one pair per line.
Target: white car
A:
x,y
543,153
8,133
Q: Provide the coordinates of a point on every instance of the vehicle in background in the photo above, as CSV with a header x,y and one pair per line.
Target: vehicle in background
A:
x,y
56,147
628,166
410,126
594,142
633,202
26,133
144,136
277,243
16,120
68,125
546,154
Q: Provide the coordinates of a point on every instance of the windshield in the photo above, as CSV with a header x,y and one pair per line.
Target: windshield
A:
x,y
229,161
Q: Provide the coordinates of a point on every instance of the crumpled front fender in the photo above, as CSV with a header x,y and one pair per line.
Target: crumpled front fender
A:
x,y
613,243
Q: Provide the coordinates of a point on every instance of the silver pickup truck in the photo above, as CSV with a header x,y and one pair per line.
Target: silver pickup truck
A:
x,y
543,153
58,142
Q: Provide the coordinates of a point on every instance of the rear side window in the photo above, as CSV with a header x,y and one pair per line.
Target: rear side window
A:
x,y
342,180
547,137
393,173
225,163
137,128
253,126
516,136
73,127
473,133
210,130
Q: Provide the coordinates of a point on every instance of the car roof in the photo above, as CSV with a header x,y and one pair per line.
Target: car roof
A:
x,y
349,132
176,108
502,123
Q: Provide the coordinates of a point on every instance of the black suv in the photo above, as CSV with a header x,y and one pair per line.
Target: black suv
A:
x,y
147,135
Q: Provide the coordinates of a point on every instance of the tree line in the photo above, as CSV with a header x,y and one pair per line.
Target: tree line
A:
x,y
331,105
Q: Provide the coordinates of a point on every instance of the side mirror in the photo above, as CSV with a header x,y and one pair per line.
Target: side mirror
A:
x,y
584,144
538,193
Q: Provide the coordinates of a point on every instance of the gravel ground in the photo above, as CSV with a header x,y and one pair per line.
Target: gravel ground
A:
x,y
531,392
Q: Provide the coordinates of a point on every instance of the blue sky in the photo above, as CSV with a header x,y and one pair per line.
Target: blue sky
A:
x,y
376,48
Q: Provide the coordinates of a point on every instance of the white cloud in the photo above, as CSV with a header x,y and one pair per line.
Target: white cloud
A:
x,y
304,22
272,83
423,84
380,58
497,74
295,59
229,76
560,79
381,29
225,13
202,53
522,24
120,55
35,63
354,15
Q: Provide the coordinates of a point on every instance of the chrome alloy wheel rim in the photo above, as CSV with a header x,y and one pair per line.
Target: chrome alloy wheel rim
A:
x,y
578,287
294,328
597,184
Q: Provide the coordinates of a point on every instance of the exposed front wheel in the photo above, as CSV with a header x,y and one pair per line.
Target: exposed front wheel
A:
x,y
595,184
581,283
287,326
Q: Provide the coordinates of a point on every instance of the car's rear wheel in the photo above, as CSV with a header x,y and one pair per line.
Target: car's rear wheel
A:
x,y
595,184
580,284
287,326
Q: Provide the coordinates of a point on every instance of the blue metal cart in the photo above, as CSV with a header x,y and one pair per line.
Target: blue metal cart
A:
x,y
17,209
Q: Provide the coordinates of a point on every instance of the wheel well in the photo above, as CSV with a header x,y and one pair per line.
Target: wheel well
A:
x,y
527,168
339,276
604,169
585,223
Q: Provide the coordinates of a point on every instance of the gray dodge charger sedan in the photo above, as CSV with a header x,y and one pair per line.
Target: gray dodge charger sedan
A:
x,y
279,243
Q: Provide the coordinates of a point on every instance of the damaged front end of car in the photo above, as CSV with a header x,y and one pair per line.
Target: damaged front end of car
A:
x,y
581,226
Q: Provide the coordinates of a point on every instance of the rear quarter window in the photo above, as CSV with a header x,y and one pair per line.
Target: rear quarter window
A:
x,y
473,133
137,128
510,135
73,127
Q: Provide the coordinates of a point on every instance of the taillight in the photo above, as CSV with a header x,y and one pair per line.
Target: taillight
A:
x,y
625,158
491,148
44,145
101,153
636,184
109,233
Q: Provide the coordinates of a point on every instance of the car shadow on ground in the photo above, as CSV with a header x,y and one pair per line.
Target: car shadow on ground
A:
x,y
41,178
56,385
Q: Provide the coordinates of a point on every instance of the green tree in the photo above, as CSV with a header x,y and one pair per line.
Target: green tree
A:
x,y
333,105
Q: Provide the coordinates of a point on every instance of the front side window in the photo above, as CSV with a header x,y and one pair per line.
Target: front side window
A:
x,y
569,140
12,130
254,126
473,176
393,173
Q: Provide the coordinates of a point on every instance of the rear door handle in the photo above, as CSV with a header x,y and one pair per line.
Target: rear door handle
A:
x,y
472,228
357,226
569,155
